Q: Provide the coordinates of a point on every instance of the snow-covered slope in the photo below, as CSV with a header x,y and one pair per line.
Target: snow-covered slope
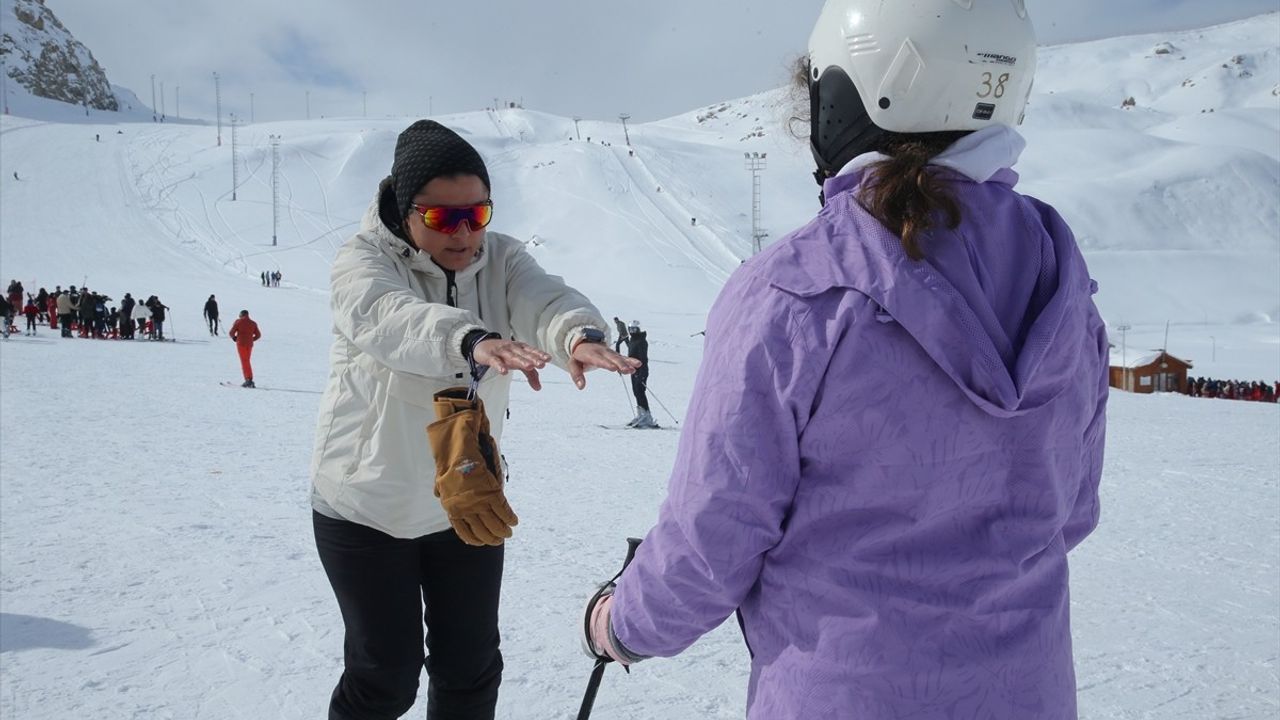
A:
x,y
155,556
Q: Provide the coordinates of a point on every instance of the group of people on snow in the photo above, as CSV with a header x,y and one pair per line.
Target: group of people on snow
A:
x,y
1255,391
83,312
271,278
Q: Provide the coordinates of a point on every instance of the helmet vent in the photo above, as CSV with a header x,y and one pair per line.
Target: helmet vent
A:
x,y
862,44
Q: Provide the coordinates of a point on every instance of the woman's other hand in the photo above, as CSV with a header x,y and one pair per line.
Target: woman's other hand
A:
x,y
507,355
591,355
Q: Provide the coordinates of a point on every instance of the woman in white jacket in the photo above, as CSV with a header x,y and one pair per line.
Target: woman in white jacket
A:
x,y
420,292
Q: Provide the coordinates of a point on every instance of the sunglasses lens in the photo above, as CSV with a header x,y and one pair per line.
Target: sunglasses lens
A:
x,y
447,219
481,215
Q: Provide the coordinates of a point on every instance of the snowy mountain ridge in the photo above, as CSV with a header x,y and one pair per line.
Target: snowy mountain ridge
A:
x,y
41,56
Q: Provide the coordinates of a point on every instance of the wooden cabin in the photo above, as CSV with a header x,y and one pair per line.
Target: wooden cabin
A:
x,y
1150,373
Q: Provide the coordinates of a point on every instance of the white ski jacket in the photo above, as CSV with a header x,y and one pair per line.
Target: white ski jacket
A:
x,y
397,341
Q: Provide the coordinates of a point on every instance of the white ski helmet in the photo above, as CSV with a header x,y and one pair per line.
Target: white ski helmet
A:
x,y
914,66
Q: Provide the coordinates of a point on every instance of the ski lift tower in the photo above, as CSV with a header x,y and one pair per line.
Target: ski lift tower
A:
x,y
275,187
235,157
756,163
624,117
217,98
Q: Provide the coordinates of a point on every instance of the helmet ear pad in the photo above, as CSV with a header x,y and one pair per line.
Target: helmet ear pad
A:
x,y
840,127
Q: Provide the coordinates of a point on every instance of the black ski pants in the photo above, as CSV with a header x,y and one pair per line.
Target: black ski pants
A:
x,y
638,383
386,588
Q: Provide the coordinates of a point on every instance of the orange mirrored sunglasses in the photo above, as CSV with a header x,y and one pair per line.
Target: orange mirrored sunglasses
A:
x,y
448,219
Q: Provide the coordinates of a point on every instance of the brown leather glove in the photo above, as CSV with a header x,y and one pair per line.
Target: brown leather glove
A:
x,y
468,479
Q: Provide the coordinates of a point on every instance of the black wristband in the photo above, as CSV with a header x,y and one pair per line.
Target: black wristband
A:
x,y
475,337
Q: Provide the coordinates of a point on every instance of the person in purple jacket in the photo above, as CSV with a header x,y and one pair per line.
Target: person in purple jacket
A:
x,y
897,431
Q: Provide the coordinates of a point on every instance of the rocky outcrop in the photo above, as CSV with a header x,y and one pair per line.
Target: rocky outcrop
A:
x,y
41,55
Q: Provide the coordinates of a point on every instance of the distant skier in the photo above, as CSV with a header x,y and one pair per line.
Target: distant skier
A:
x,y
6,315
51,307
622,334
127,304
157,309
142,316
66,312
15,293
32,312
638,348
42,304
211,314
245,333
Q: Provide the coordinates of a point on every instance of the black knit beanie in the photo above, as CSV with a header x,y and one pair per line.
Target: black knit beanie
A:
x,y
424,151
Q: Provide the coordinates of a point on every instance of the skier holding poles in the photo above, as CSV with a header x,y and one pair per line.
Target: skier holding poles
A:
x,y
638,349
897,430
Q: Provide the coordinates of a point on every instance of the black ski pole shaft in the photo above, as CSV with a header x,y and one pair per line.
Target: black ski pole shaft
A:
x,y
627,391
593,686
597,672
660,403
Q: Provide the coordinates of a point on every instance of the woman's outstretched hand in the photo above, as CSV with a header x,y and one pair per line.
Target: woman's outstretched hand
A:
x,y
590,355
507,355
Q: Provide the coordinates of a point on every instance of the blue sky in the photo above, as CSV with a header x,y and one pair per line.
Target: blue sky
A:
x,y
592,58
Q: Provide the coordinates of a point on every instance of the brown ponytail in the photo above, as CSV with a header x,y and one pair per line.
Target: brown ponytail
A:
x,y
904,193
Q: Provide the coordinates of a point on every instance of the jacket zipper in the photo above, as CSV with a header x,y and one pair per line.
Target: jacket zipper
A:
x,y
451,289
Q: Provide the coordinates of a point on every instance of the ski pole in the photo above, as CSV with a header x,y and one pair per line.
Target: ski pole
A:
x,y
597,672
627,391
664,407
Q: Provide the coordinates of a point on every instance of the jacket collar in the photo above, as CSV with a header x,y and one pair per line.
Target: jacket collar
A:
x,y
987,154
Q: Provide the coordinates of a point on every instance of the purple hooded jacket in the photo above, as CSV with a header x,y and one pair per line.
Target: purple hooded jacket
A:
x,y
884,466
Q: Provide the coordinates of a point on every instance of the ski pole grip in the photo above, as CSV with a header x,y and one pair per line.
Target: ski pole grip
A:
x,y
632,544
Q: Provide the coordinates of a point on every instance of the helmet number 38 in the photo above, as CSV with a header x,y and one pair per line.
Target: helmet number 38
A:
x,y
993,86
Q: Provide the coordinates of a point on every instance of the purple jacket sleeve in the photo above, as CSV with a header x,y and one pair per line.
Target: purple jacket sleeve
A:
x,y
735,473
1085,512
